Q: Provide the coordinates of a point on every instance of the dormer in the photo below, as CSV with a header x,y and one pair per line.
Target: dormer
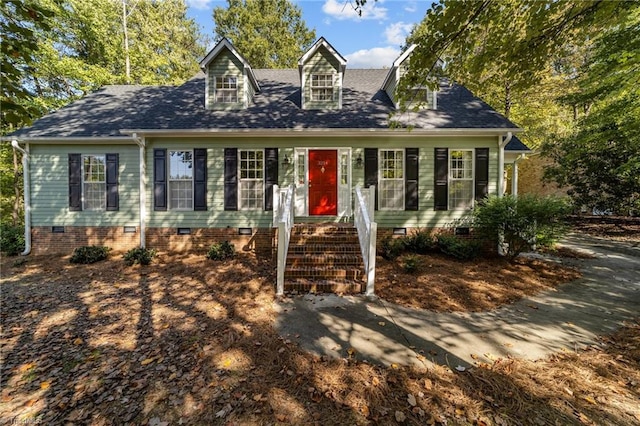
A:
x,y
229,79
321,74
420,95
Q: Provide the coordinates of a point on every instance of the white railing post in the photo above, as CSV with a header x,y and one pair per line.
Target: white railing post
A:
x,y
276,205
371,208
371,267
284,221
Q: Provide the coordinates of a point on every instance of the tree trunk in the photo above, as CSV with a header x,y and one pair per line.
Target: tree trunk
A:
x,y
127,63
507,100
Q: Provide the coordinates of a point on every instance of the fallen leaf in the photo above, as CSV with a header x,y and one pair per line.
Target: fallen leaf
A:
x,y
375,381
400,417
257,397
77,341
394,366
459,412
26,367
590,400
281,417
45,385
411,400
381,323
147,361
365,410
351,352
474,356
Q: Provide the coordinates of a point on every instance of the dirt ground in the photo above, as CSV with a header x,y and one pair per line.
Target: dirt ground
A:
x,y
191,341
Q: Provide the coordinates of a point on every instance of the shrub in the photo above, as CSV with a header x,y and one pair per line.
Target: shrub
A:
x,y
420,242
460,248
521,223
140,255
410,263
89,254
11,239
221,251
391,248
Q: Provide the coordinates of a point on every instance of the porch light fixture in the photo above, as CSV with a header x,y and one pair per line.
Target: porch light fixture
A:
x,y
359,161
286,161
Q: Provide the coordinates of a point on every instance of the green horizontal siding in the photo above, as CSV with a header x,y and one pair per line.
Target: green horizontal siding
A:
x,y
49,167
217,217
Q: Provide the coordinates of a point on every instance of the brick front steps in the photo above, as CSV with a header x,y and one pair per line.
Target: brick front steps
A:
x,y
324,258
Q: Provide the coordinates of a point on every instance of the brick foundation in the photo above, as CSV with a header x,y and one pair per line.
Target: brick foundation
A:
x,y
44,241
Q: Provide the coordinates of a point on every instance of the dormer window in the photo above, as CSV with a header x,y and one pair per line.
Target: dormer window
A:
x,y
422,97
226,89
321,87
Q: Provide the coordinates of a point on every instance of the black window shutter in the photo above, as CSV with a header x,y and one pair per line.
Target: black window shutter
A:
x,y
113,198
270,176
231,178
411,179
371,170
200,179
160,179
482,173
441,184
75,182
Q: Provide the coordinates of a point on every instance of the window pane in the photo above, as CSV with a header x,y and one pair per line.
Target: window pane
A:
x,y
181,195
391,191
461,179
180,180
180,165
94,182
251,185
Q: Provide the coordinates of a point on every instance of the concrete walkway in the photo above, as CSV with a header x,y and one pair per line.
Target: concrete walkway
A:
x,y
569,318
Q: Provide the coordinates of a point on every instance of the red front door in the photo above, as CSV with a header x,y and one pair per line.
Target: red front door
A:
x,y
323,182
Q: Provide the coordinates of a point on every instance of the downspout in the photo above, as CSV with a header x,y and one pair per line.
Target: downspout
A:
x,y
501,145
27,195
142,143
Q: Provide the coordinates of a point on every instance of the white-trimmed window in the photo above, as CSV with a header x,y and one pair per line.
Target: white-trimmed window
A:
x,y
251,179
460,179
226,89
94,182
181,180
391,191
321,87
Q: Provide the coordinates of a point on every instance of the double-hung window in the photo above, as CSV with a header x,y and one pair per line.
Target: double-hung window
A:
x,y
391,191
94,182
460,179
181,180
251,179
321,87
226,89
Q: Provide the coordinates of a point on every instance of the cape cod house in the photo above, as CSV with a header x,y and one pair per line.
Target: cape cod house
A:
x,y
242,154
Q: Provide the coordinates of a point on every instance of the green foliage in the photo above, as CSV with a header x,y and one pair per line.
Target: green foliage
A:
x,y
600,160
140,255
268,33
521,223
420,242
89,254
11,239
221,251
410,263
460,248
391,248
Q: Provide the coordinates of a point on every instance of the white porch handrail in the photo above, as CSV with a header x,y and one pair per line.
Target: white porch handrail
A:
x,y
367,232
283,215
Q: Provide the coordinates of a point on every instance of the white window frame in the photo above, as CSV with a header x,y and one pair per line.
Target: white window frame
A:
x,y
458,175
320,85
85,202
227,88
258,179
398,183
171,180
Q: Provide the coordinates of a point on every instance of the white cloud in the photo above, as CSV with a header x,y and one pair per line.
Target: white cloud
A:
x,y
397,33
199,4
378,57
343,9
411,7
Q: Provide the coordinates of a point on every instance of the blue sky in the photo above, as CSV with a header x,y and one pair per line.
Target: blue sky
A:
x,y
372,40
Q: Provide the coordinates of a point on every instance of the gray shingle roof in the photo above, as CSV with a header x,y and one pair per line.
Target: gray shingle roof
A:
x,y
277,106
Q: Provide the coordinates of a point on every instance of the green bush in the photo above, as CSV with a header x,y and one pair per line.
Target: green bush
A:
x,y
460,248
410,263
391,248
420,242
89,254
221,251
521,223
11,239
140,255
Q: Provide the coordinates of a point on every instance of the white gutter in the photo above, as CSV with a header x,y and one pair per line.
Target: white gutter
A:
x,y
501,145
142,143
26,194
297,132
112,140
